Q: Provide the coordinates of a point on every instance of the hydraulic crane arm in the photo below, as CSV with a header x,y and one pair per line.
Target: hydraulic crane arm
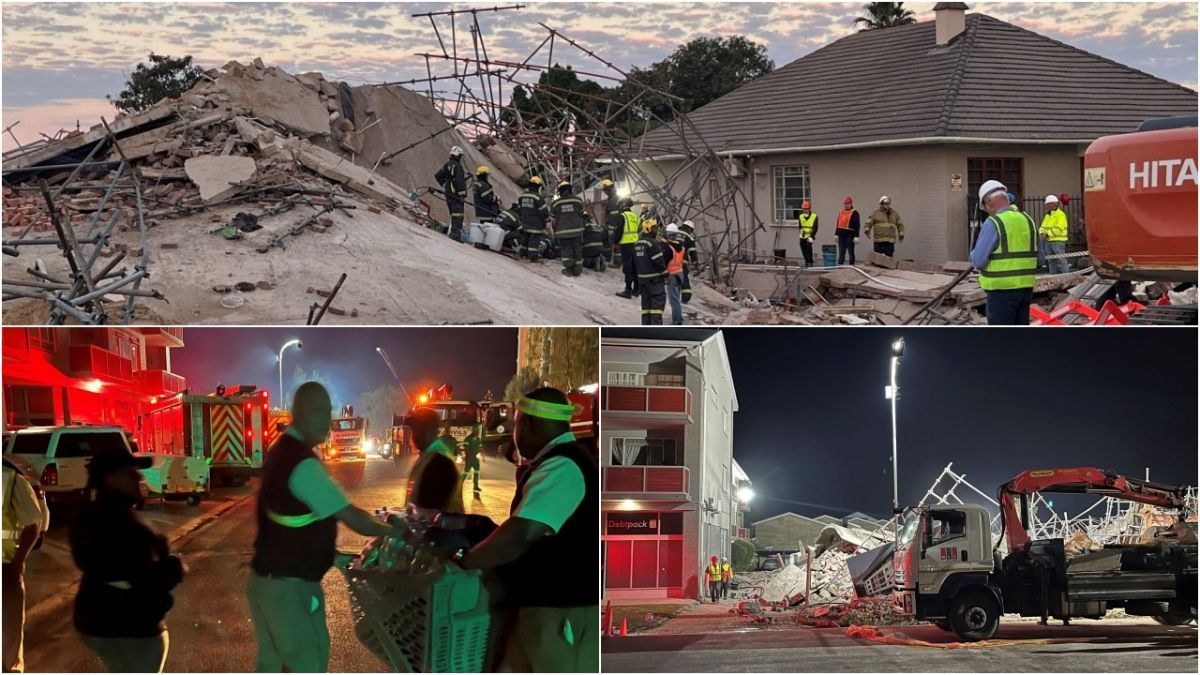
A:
x,y
1080,480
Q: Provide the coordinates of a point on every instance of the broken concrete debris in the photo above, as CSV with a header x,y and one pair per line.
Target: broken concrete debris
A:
x,y
217,177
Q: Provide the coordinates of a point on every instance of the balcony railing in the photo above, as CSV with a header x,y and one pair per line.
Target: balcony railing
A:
x,y
163,336
646,480
670,400
92,361
159,382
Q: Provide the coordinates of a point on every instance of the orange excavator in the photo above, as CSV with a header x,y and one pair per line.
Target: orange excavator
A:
x,y
950,572
1139,196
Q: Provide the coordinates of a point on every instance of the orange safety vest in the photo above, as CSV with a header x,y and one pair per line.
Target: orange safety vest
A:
x,y
844,219
675,264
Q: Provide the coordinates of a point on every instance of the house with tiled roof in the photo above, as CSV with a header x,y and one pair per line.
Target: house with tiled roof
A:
x,y
923,113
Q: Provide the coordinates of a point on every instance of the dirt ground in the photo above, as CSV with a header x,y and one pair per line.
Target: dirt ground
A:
x,y
397,273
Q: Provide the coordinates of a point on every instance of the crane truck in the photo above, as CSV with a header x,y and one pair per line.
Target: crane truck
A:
x,y
948,570
1139,196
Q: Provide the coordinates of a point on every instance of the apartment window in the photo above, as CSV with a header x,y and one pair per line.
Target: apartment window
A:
x,y
29,406
617,378
791,188
41,338
645,452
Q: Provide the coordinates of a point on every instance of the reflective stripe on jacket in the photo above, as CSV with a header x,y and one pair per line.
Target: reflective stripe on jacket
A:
x,y
1013,263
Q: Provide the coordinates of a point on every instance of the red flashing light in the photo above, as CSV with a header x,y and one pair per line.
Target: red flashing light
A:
x,y
264,406
249,433
263,394
247,406
50,475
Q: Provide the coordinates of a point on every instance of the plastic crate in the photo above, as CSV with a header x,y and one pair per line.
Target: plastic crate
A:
x,y
421,623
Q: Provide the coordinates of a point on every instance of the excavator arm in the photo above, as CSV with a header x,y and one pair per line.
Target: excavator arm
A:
x,y
1079,480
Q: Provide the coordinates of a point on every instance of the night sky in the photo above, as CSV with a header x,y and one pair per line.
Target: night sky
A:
x,y
473,360
813,429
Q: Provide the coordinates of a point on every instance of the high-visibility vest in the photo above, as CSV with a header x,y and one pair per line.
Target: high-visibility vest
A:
x,y
675,264
630,234
726,572
714,572
12,528
806,225
1013,263
1054,225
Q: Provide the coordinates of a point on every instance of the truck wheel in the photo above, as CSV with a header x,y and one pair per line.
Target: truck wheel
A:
x,y
943,624
1174,619
974,616
193,500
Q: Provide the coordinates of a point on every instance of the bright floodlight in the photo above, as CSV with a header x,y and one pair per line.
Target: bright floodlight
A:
x,y
745,495
898,347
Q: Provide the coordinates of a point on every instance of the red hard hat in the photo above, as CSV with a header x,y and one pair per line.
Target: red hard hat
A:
x,y
847,200
714,558
1064,198
806,204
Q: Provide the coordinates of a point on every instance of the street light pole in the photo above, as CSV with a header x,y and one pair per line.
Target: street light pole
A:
x,y
893,393
289,343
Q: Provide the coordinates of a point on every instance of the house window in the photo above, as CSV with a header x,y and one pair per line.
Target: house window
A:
x,y
645,452
626,379
29,406
791,188
1007,170
661,380
41,338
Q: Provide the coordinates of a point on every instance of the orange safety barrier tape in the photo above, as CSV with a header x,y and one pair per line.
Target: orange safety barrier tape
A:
x,y
872,633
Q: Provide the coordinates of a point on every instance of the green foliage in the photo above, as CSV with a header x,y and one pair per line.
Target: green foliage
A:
x,y
742,556
525,380
379,405
884,15
163,77
705,69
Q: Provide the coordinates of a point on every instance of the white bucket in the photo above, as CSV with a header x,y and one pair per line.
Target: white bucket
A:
x,y
493,236
476,233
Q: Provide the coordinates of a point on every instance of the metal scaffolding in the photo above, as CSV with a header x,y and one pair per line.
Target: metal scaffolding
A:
x,y
584,138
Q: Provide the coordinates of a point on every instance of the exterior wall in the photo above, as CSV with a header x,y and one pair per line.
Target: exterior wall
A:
x,y
917,178
707,443
786,532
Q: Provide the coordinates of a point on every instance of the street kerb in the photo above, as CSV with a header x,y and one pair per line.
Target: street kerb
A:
x,y
52,605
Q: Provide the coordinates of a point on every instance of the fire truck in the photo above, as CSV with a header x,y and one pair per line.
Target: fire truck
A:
x,y
455,417
277,421
228,428
347,436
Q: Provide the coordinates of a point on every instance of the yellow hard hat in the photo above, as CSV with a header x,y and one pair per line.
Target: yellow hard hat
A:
x,y
536,180
648,225
565,183
606,183
482,171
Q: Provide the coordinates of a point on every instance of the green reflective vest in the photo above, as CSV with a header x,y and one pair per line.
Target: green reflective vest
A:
x,y
807,224
630,234
1013,263
1054,225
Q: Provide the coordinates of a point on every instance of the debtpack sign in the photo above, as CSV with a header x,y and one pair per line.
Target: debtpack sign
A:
x,y
631,523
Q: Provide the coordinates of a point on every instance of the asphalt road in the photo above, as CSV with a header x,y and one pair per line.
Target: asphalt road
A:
x,y
210,629
1087,646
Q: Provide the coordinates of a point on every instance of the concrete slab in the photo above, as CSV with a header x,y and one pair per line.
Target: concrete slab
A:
x,y
213,174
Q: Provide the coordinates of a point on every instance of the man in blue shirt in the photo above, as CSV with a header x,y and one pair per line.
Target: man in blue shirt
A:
x,y
1006,256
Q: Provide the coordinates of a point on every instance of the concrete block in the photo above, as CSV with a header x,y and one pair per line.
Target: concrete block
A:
x,y
213,174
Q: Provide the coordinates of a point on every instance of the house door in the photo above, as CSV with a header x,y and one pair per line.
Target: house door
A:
x,y
1007,170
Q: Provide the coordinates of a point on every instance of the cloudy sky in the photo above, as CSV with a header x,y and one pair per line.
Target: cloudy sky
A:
x,y
60,59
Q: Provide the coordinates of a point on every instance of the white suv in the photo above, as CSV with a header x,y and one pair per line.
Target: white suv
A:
x,y
57,457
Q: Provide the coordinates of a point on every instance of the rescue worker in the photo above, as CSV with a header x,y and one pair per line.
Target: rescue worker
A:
x,y
847,231
127,568
508,221
675,251
545,619
298,509
1054,232
712,576
691,259
808,230
595,245
726,576
533,214
614,221
569,214
651,274
629,237
889,228
453,180
435,482
474,447
23,522
487,205
1006,256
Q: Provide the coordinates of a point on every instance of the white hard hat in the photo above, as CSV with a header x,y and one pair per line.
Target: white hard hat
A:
x,y
1051,199
456,151
988,188
884,199
687,223
672,228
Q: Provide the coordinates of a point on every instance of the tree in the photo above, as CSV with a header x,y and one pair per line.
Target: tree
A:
x,y
884,15
524,381
706,69
742,555
564,358
299,376
379,405
164,77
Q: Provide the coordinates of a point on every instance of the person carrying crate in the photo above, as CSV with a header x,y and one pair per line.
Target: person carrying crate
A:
x,y
551,619
298,508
